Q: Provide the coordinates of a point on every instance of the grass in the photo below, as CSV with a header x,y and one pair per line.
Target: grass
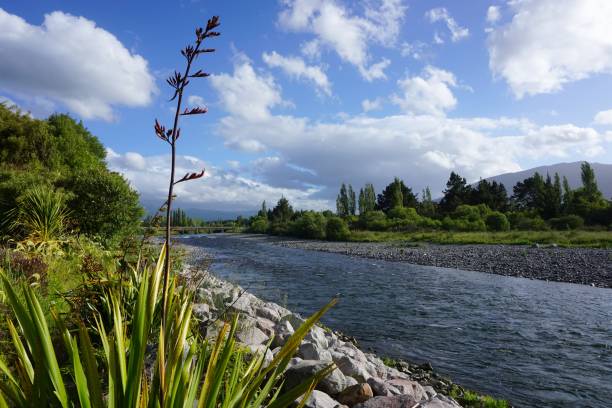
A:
x,y
470,399
575,238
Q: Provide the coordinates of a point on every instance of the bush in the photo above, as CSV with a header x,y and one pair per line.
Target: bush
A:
x,y
337,229
568,222
104,205
525,221
497,221
309,225
375,221
403,213
259,225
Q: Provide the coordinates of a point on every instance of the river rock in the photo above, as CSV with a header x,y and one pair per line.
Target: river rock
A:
x,y
262,349
351,367
283,330
312,351
379,387
397,401
355,394
317,335
201,311
440,401
269,311
266,326
333,384
318,399
251,335
407,387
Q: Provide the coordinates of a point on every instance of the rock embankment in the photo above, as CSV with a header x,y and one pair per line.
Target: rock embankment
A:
x,y
586,266
361,380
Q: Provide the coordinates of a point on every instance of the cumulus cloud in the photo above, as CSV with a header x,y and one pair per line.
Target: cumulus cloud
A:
x,y
245,93
349,35
196,100
217,189
604,117
493,14
441,14
70,60
371,104
296,67
429,93
549,43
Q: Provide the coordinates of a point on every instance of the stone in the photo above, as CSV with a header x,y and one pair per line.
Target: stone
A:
x,y
268,312
355,394
333,384
318,399
261,349
242,304
352,367
317,335
295,320
201,311
266,326
283,330
407,387
379,387
440,401
397,401
251,335
312,351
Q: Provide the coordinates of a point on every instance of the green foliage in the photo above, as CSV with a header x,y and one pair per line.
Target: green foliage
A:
x,y
367,199
457,192
526,221
567,222
195,373
343,202
259,225
40,216
470,399
497,221
104,205
337,229
375,221
309,224
396,194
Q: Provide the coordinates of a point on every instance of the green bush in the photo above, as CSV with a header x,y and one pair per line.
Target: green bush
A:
x,y
337,229
526,221
497,221
375,221
568,222
309,225
403,213
259,225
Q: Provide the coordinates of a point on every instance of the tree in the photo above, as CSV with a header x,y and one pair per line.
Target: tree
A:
x,y
367,199
351,201
427,207
263,212
491,193
394,195
588,200
457,192
282,212
361,203
342,202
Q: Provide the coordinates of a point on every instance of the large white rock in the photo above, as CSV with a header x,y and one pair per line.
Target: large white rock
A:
x,y
333,384
312,351
283,330
440,401
251,335
318,399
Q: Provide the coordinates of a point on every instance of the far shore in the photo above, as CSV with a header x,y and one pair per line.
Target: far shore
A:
x,y
587,266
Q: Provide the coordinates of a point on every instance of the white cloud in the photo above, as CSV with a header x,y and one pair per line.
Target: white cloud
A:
x,y
604,117
70,60
369,105
428,94
311,49
493,14
441,14
217,189
416,50
349,35
245,93
549,43
196,100
297,68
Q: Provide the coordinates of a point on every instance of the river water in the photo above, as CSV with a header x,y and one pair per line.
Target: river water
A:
x,y
538,344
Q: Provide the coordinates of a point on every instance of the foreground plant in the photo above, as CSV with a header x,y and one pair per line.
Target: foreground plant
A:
x,y
197,373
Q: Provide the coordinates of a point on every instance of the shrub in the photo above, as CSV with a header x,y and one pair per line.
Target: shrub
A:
x,y
463,224
403,213
525,221
568,222
40,215
337,229
309,225
375,221
497,221
259,225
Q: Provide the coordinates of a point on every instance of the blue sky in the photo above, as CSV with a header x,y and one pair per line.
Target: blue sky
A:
x,y
306,94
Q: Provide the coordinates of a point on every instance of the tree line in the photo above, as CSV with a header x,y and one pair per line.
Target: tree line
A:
x,y
536,203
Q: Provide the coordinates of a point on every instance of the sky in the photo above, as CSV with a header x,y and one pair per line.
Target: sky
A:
x,y
307,94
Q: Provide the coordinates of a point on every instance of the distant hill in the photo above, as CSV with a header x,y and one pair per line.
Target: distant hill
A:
x,y
569,170
151,207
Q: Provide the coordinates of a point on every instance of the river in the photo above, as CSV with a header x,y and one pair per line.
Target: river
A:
x,y
535,343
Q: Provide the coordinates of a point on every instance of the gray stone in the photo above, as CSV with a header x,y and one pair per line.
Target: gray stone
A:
x,y
333,384
440,401
379,387
262,349
268,312
355,394
267,326
318,399
201,311
352,367
251,335
407,387
317,335
312,351
283,330
397,401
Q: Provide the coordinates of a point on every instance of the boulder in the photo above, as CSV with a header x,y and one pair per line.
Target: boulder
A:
x,y
267,326
352,367
317,335
201,311
312,351
397,401
283,330
261,349
318,399
355,394
379,387
268,312
251,335
333,384
440,401
407,387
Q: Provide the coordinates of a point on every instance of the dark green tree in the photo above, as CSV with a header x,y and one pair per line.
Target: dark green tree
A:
x,y
282,212
427,207
457,192
352,202
396,193
491,193
342,202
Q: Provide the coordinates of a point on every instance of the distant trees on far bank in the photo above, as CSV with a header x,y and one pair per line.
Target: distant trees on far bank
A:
x,y
536,203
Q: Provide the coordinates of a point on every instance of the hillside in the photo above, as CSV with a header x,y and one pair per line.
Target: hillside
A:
x,y
569,170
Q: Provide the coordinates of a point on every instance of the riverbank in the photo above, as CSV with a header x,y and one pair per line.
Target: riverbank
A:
x,y
587,266
361,380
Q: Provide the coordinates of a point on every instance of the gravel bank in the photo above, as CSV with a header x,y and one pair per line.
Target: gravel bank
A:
x,y
574,265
